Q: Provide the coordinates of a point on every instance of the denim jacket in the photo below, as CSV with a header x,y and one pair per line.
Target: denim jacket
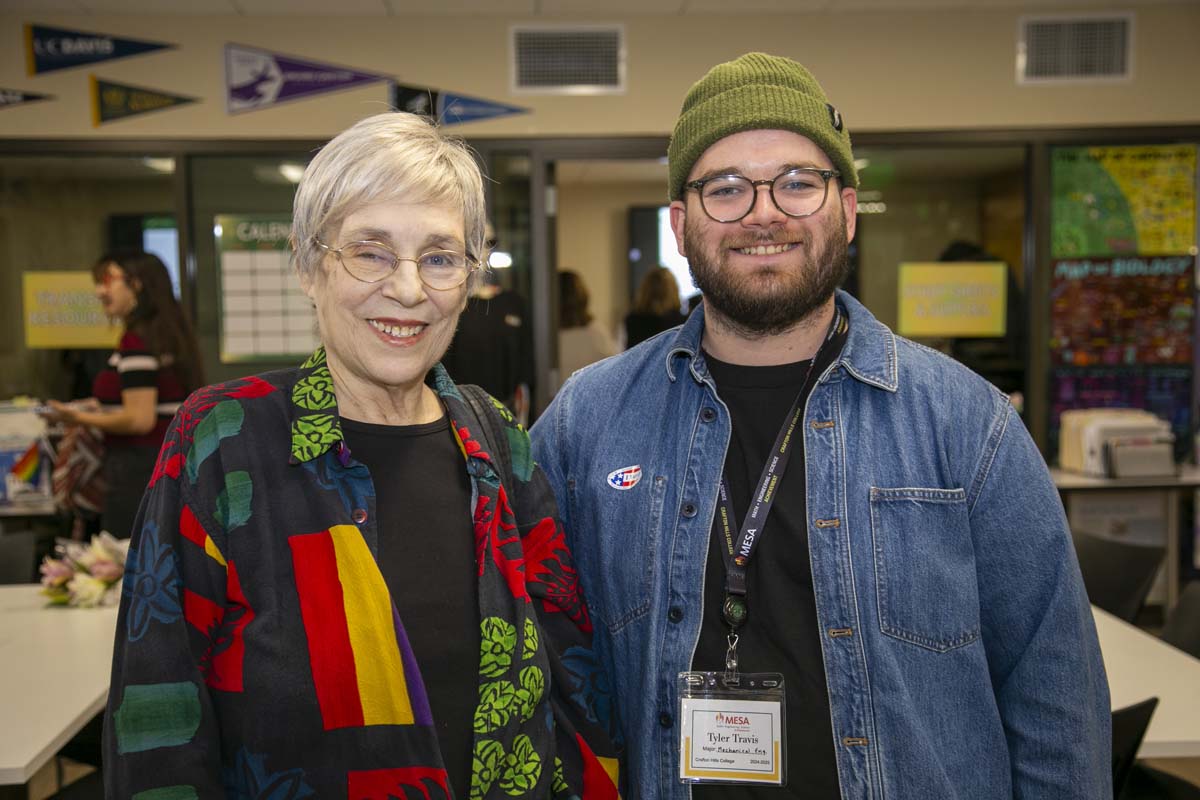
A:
x,y
959,648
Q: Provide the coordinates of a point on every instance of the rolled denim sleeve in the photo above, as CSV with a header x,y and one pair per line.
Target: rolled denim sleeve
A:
x,y
1036,622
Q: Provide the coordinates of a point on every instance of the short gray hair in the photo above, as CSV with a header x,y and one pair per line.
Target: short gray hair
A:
x,y
385,157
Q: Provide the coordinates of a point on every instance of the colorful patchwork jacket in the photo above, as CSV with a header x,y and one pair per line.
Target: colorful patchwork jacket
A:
x,y
259,654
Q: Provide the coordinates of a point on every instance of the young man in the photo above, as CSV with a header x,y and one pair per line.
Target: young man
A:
x,y
785,486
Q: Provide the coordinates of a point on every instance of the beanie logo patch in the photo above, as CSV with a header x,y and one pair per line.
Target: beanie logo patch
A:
x,y
835,117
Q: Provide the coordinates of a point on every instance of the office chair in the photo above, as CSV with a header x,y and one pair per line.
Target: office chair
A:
x,y
1182,626
18,556
1128,727
1117,576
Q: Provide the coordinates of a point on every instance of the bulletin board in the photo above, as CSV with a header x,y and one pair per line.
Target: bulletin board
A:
x,y
1123,286
265,316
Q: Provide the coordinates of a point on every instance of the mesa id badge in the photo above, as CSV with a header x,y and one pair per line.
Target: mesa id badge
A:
x,y
731,728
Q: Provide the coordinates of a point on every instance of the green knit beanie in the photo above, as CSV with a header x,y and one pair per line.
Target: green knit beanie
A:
x,y
756,92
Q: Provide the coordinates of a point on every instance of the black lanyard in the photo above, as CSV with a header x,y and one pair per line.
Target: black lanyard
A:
x,y
737,555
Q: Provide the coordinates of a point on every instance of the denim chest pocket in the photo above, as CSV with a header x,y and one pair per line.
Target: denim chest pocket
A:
x,y
925,567
626,524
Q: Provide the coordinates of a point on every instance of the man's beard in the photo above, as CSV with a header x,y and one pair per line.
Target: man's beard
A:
x,y
764,303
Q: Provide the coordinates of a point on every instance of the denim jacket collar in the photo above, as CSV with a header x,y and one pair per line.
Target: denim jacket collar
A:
x,y
869,354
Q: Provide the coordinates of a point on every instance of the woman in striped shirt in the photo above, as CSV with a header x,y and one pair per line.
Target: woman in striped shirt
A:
x,y
155,366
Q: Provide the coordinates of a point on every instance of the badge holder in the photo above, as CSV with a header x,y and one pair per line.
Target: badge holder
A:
x,y
732,727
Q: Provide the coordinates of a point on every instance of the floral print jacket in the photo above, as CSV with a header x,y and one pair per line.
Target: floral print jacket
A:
x,y
259,654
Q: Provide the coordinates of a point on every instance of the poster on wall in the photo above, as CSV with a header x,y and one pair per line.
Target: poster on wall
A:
x,y
257,79
961,299
112,100
449,108
48,49
1122,311
1109,201
264,314
60,310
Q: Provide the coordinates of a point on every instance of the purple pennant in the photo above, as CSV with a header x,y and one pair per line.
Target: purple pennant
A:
x,y
256,79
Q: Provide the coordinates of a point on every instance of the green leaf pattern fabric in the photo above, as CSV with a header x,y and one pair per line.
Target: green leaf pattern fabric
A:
x,y
498,639
487,760
522,768
531,640
314,434
315,426
533,686
315,392
495,706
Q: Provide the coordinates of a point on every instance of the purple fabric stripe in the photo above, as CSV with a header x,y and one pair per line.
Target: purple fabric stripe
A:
x,y
417,698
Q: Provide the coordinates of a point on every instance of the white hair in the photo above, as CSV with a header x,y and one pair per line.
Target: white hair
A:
x,y
385,157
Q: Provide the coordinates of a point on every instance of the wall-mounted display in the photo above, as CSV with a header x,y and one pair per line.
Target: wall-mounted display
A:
x,y
112,100
48,49
61,311
959,299
265,316
257,79
449,108
10,98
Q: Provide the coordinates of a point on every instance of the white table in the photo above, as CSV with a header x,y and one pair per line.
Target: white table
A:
x,y
55,665
1141,666
1171,485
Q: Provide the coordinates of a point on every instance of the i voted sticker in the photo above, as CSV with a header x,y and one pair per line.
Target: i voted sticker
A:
x,y
625,477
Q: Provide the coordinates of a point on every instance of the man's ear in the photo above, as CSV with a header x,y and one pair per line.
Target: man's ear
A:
x,y
678,213
850,209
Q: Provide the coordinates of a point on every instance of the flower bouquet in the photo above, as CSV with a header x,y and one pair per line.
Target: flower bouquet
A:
x,y
85,575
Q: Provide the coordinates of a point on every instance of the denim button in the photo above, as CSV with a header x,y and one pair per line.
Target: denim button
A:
x,y
689,510
665,720
675,614
359,516
708,414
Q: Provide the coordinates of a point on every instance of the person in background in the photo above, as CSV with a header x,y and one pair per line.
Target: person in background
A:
x,y
655,307
348,578
785,486
581,340
493,347
154,368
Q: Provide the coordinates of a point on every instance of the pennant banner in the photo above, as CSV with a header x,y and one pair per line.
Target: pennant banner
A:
x,y
49,49
257,79
15,97
112,101
449,108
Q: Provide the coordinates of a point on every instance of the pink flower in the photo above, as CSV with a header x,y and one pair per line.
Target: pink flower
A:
x,y
54,572
107,571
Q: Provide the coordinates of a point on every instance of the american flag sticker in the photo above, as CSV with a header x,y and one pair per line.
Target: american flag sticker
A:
x,y
625,477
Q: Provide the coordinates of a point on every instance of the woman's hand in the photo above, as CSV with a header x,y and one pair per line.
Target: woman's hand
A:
x,y
68,413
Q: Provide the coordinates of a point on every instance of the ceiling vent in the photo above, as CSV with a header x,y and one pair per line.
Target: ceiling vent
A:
x,y
1055,49
574,59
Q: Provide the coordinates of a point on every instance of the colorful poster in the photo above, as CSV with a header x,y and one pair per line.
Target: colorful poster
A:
x,y
9,98
49,49
959,299
256,79
264,314
1122,311
1163,391
111,100
449,108
61,311
1109,201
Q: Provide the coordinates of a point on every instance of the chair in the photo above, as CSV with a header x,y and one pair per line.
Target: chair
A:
x,y
1128,727
89,787
1147,783
18,556
1117,576
1182,626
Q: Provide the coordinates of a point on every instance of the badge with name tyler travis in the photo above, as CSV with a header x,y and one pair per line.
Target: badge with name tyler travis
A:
x,y
731,728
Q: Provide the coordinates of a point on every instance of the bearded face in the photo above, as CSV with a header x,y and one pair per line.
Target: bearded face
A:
x,y
769,298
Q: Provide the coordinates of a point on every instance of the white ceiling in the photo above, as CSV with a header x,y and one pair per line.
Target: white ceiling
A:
x,y
536,8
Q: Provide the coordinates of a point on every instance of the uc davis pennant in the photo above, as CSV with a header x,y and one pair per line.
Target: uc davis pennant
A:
x,y
48,49
448,108
257,79
118,100
15,97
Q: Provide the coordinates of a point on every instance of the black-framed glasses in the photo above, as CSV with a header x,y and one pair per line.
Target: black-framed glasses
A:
x,y
371,262
797,192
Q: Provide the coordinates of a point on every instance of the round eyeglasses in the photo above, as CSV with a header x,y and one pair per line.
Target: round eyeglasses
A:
x,y
796,192
371,262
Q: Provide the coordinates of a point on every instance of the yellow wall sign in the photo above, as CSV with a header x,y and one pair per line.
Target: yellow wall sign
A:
x,y
61,311
956,298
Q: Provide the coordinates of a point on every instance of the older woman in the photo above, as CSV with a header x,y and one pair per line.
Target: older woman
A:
x,y
341,584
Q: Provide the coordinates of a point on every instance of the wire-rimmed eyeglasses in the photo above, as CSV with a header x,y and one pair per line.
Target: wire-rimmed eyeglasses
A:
x,y
796,192
371,262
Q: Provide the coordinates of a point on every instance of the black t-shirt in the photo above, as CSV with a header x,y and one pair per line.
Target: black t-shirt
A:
x,y
780,634
427,557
